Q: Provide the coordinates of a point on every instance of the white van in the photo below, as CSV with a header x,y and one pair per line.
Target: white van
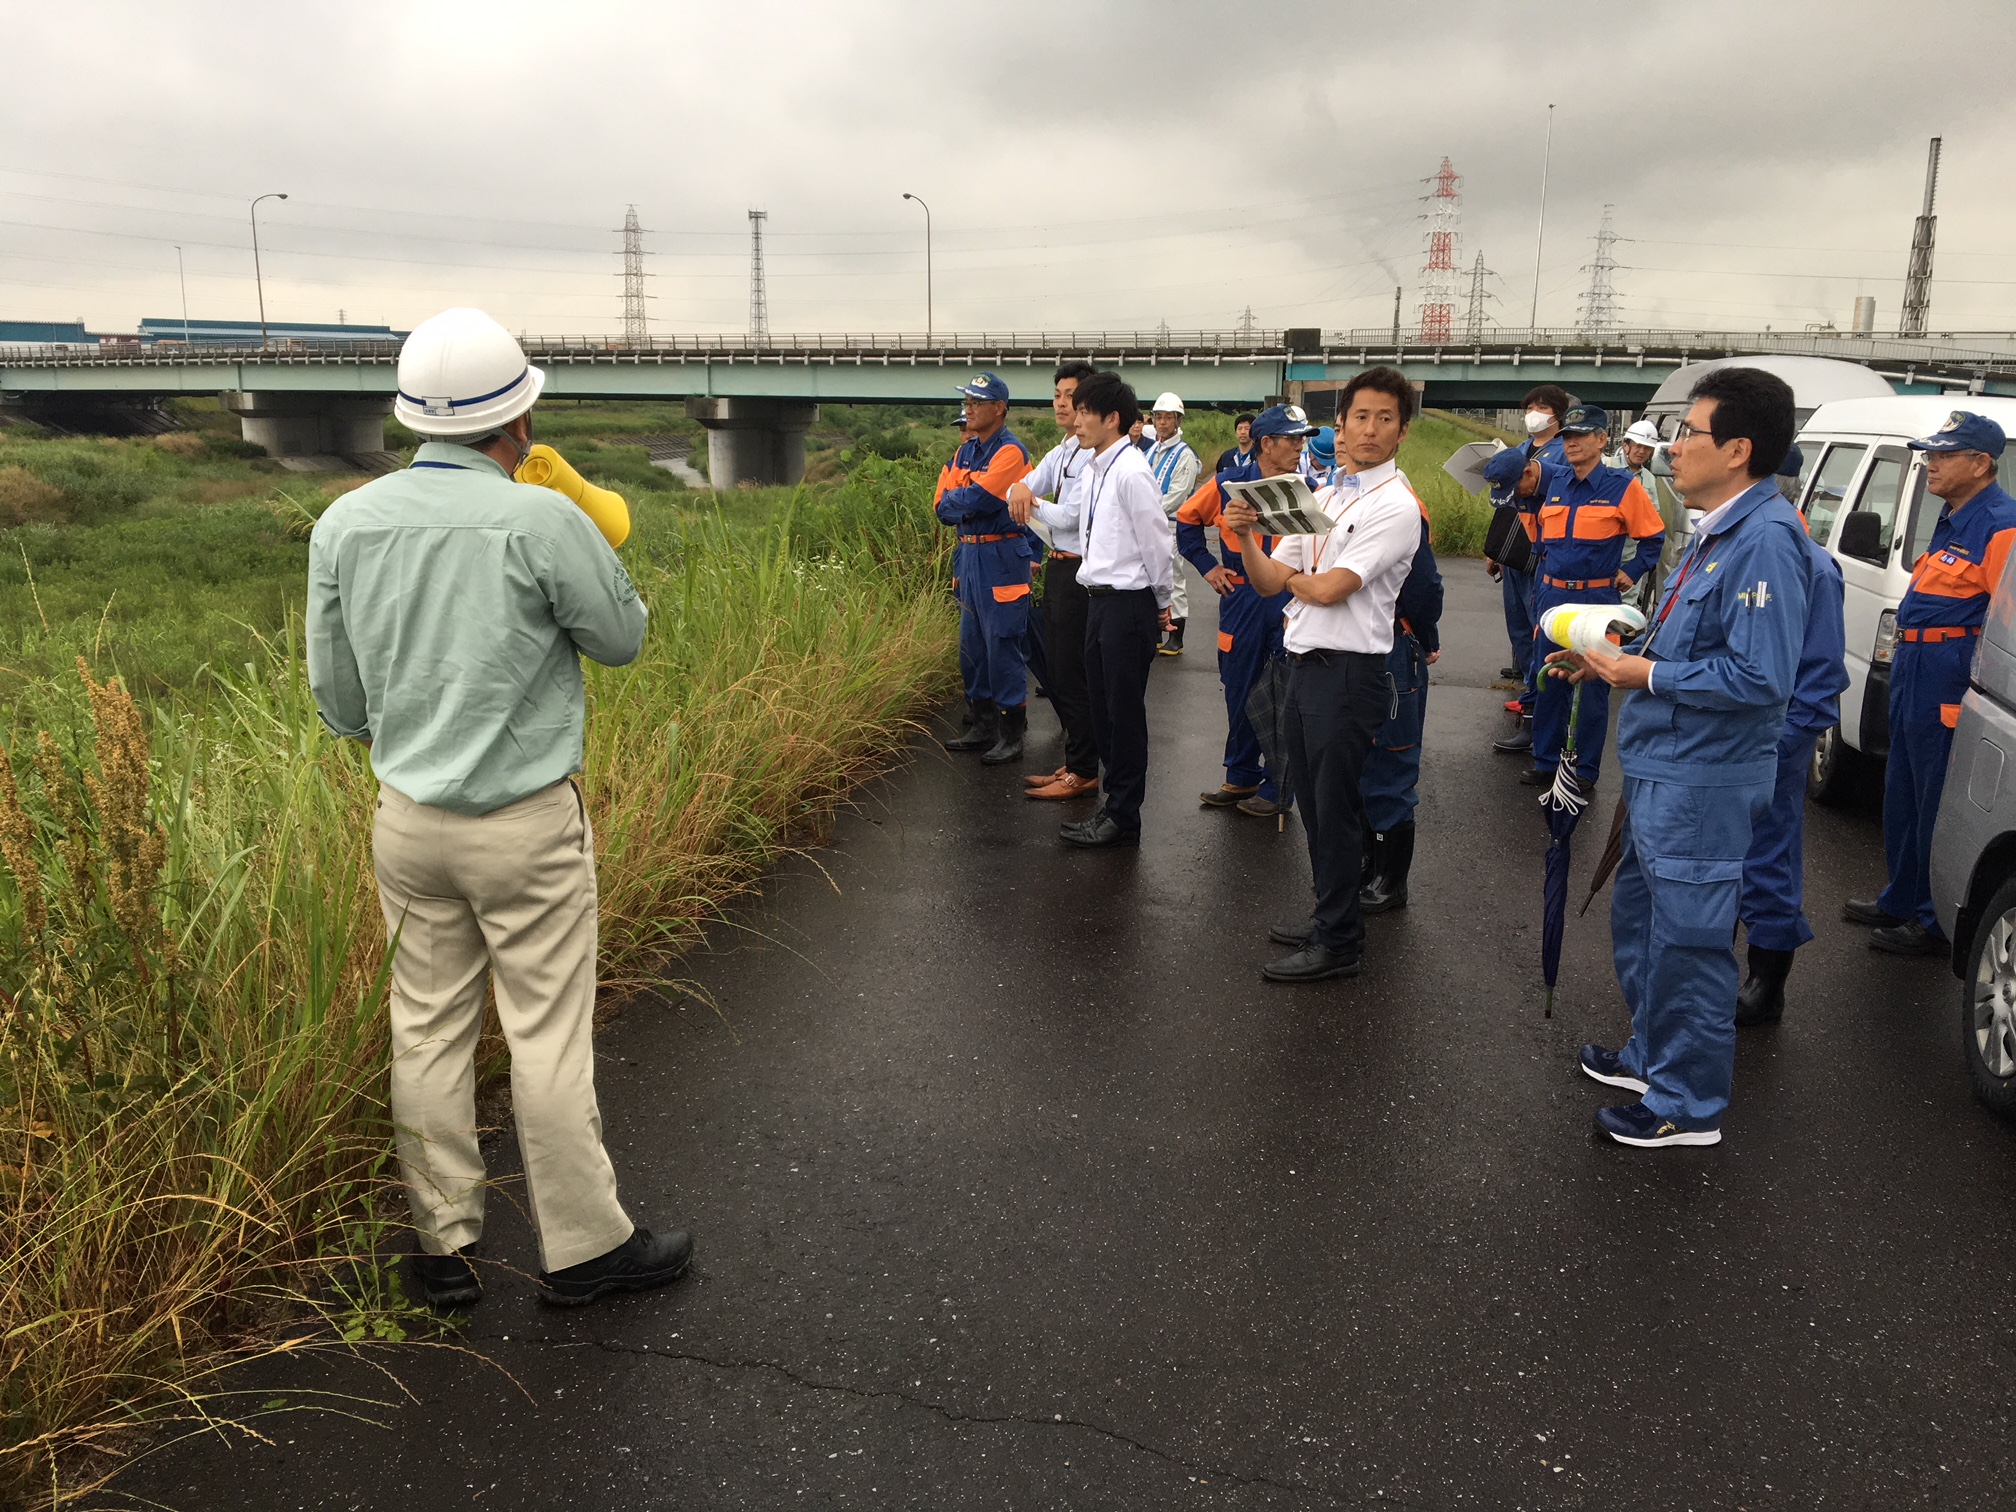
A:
x,y
1814,380
1863,492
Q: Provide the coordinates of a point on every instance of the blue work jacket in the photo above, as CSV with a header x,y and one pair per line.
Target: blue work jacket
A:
x,y
1585,524
1823,655
1502,470
1726,646
1418,609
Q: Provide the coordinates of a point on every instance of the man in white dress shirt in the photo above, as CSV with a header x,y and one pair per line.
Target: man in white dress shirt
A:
x,y
1127,574
1337,631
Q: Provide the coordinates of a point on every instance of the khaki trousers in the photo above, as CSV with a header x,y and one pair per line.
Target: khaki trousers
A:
x,y
508,897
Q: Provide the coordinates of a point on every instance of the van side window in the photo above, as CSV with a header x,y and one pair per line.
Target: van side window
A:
x,y
1882,489
1830,486
1925,510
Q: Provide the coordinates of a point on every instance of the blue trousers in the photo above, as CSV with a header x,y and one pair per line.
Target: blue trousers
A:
x,y
993,637
1925,682
1391,784
1517,589
1246,643
1672,931
1557,695
1774,873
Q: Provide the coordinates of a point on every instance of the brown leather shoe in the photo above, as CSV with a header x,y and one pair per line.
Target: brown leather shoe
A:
x,y
1044,779
1227,796
1070,785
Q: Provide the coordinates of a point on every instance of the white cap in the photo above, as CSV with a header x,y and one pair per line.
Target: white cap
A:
x,y
462,374
1167,403
1644,432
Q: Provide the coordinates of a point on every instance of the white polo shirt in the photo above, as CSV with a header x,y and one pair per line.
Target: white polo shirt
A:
x,y
1127,542
1376,532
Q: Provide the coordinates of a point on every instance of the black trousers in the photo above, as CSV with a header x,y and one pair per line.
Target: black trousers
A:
x,y
1336,705
1064,609
1121,633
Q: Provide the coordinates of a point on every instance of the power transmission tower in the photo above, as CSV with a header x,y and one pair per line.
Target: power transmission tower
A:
x,y
1918,276
1249,328
759,296
1438,273
1473,312
1599,304
635,333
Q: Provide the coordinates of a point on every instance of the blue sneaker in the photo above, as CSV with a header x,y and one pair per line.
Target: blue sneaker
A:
x,y
1638,1125
1607,1067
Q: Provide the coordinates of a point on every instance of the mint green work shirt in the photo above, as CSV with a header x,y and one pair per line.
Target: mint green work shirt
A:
x,y
448,612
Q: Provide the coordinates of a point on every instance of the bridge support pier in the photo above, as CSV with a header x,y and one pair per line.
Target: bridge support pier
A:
x,y
303,430
754,440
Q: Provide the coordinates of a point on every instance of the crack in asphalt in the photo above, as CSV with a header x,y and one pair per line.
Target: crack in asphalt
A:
x,y
952,1414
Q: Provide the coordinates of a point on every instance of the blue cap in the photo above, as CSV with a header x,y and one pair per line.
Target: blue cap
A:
x,y
1323,446
985,386
1282,420
1585,419
1964,431
1794,463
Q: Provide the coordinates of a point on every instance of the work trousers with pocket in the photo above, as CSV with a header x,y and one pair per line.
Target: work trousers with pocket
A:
x,y
1121,630
1392,782
1927,682
1673,931
1064,604
1774,873
504,899
1516,588
1337,700
991,583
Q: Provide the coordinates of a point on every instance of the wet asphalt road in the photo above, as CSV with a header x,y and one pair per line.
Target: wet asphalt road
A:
x,y
1016,1187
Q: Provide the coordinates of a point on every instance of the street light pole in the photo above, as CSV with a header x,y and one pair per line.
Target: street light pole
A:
x,y
182,277
1540,236
258,275
930,323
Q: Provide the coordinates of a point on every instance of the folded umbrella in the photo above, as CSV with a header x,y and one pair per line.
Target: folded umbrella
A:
x,y
1267,710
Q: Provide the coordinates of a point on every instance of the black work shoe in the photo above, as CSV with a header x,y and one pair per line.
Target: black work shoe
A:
x,y
1508,671
1297,935
981,734
1519,741
637,1264
1537,777
447,1282
1866,911
1100,832
1227,796
1761,999
1909,938
1014,724
1312,963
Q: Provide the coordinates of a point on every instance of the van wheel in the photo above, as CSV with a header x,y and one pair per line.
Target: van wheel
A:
x,y
1831,777
1988,1004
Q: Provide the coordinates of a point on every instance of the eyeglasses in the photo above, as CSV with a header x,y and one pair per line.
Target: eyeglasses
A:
x,y
1686,432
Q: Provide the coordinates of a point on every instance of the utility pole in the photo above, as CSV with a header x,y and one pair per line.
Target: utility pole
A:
x,y
182,277
929,322
1540,236
1918,275
1599,305
636,332
1438,274
1473,313
1396,317
258,274
759,296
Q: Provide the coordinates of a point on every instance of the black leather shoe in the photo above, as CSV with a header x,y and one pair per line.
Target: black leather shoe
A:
x,y
1762,998
637,1264
1295,935
1519,741
1537,777
1865,911
1312,963
1508,671
447,1282
1908,939
1100,832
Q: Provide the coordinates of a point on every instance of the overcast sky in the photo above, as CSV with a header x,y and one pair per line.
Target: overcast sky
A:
x,y
1089,166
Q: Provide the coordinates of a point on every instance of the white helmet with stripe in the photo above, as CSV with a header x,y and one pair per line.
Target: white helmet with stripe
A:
x,y
462,374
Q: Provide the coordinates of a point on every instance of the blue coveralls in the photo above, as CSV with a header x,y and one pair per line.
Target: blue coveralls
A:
x,y
1774,873
1392,779
1584,526
1937,624
991,567
1517,587
1249,626
1699,754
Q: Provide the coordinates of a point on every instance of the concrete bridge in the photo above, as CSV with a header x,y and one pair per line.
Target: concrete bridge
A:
x,y
757,399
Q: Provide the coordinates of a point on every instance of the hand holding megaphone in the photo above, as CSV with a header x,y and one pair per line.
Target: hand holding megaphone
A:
x,y
546,468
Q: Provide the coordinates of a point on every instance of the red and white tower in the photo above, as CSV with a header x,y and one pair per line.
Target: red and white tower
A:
x,y
1438,274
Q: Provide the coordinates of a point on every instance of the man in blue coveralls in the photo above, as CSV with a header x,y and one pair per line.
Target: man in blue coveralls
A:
x,y
991,572
1544,407
1774,873
1937,624
1587,513
1392,781
1697,740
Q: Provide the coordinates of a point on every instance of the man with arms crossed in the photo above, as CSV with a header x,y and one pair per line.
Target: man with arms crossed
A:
x,y
448,612
1338,629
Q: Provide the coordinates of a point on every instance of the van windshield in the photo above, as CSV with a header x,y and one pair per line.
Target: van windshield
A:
x,y
1830,487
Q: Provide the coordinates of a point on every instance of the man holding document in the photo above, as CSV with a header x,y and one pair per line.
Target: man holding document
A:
x,y
1342,567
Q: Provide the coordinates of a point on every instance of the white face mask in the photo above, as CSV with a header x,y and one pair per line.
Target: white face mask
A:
x,y
1537,421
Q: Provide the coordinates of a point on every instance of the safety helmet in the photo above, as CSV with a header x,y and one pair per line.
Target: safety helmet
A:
x,y
462,374
1170,403
1644,433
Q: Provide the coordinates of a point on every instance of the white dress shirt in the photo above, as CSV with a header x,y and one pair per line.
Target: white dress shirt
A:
x,y
1127,543
1376,532
1060,481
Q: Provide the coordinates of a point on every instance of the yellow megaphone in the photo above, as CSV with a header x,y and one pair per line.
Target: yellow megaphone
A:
x,y
546,468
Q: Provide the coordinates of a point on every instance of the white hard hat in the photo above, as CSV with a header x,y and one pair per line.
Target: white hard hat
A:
x,y
1170,403
1644,433
461,374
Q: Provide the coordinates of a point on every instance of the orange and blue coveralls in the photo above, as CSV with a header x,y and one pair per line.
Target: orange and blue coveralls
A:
x,y
1391,782
1938,622
1502,473
1585,524
1249,626
991,567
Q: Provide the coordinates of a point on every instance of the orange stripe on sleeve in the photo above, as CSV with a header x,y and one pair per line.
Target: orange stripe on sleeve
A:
x,y
1999,545
1007,467
1641,515
1204,506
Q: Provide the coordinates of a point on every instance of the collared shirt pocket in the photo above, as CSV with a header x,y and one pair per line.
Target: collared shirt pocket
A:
x,y
1694,901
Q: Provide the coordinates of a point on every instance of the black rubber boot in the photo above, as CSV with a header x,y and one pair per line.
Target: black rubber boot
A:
x,y
982,733
1013,723
1172,643
1388,887
1761,1000
1368,848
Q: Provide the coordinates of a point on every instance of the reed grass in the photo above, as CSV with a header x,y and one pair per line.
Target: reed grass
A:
x,y
193,1137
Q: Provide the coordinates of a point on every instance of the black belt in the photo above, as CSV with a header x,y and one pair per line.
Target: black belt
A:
x,y
1326,658
1100,590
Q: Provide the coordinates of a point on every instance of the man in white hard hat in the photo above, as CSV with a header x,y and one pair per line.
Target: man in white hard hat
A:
x,y
1641,444
448,612
1175,467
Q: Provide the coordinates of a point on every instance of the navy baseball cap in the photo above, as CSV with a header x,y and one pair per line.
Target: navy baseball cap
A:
x,y
1323,446
1795,461
1964,431
1282,420
985,386
1585,419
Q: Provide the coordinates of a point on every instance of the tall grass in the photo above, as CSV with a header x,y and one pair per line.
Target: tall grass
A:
x,y
192,1130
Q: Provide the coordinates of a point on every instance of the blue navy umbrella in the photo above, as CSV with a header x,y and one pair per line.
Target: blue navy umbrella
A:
x,y
1562,804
